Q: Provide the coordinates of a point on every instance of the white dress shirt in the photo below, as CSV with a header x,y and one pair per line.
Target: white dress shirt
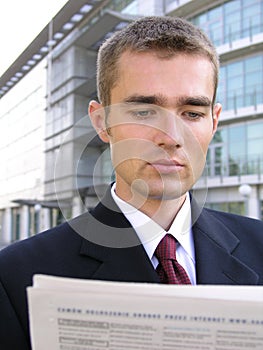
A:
x,y
150,233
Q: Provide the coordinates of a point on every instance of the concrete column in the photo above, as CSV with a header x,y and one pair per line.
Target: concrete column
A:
x,y
7,226
45,219
253,205
24,222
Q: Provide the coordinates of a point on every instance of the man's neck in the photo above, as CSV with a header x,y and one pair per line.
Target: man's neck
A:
x,y
162,211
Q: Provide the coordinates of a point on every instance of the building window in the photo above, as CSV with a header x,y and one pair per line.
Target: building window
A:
x,y
236,150
241,83
232,20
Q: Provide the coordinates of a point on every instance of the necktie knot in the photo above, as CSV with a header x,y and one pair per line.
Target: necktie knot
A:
x,y
169,270
166,249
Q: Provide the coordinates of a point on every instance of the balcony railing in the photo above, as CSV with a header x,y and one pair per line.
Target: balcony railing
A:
x,y
231,100
236,167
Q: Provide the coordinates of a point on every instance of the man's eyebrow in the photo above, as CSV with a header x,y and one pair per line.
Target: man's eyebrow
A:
x,y
151,99
201,101
162,101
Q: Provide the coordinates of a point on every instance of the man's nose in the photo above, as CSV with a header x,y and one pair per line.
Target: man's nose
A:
x,y
170,131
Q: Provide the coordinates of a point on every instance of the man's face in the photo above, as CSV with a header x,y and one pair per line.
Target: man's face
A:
x,y
161,121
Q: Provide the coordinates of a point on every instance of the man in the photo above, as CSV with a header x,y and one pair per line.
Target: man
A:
x,y
157,83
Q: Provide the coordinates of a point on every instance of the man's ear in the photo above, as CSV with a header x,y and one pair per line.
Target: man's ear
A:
x,y
97,117
216,114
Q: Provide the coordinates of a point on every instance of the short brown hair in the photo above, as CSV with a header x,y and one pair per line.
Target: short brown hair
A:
x,y
161,34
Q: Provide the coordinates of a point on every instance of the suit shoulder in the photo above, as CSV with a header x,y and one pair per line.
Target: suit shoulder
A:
x,y
42,245
230,220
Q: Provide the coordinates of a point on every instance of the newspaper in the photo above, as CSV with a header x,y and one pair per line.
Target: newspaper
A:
x,y
74,314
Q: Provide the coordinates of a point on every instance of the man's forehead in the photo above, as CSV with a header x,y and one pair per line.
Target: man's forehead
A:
x,y
141,78
133,63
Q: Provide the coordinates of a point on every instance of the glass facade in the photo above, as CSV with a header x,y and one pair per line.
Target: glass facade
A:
x,y
232,20
241,83
237,150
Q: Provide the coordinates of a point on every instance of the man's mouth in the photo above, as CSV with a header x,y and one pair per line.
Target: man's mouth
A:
x,y
167,166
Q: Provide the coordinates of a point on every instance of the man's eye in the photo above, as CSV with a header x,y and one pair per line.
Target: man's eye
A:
x,y
143,114
193,115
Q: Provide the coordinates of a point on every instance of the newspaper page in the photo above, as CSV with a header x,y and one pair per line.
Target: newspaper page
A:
x,y
72,314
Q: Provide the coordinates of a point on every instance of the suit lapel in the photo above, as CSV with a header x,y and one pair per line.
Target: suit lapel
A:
x,y
215,260
130,264
110,239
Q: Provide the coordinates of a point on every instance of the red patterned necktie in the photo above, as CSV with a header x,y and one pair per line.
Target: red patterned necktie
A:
x,y
169,270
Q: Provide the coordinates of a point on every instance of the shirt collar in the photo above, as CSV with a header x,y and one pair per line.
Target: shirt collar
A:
x,y
150,233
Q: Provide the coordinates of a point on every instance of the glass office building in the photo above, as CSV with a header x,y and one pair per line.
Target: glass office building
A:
x,y
236,152
59,167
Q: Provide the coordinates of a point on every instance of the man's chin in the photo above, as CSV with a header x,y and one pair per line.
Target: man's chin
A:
x,y
167,193
166,196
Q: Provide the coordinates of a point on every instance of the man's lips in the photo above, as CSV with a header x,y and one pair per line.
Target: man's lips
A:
x,y
166,166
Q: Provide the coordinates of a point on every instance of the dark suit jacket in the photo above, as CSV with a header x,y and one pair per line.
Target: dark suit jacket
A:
x,y
102,245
